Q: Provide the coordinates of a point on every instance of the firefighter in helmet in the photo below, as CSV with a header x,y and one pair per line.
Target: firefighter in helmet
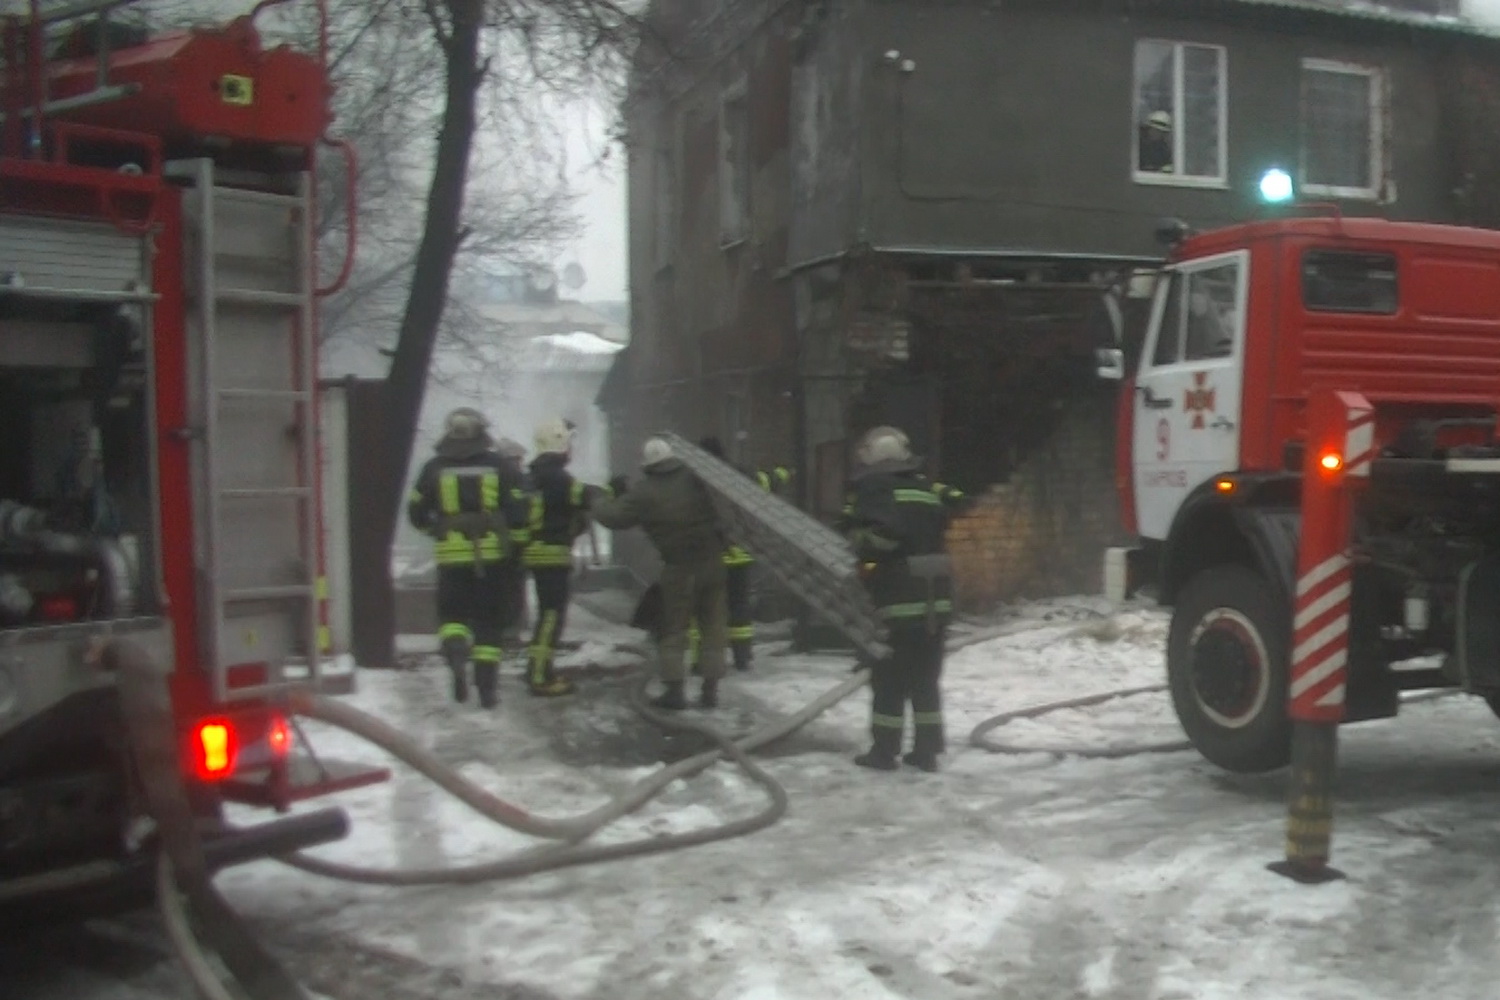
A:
x,y
896,520
737,563
672,506
559,514
467,498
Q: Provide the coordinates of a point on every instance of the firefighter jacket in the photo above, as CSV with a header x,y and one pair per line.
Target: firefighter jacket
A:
x,y
467,498
559,512
673,508
895,518
774,482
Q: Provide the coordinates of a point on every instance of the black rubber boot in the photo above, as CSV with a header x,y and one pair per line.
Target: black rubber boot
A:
x,y
709,696
487,680
885,743
742,656
922,760
456,653
672,698
876,760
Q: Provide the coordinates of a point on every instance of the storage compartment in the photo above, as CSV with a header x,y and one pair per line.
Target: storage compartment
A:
x,y
77,528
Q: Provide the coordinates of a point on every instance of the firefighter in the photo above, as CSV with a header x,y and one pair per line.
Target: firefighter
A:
x,y
559,514
514,454
737,563
896,519
467,497
674,509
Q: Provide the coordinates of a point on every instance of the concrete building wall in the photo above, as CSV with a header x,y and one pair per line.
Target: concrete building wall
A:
x,y
1015,127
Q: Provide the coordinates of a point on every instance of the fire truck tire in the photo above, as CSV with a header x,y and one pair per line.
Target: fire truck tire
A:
x,y
1227,668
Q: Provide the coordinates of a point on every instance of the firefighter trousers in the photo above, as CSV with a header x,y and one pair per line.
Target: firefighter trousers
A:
x,y
471,611
552,594
741,628
910,674
693,592
515,608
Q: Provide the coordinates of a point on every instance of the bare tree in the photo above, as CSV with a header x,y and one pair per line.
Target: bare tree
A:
x,y
503,58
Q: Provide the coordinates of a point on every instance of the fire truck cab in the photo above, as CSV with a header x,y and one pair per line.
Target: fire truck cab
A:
x,y
1247,324
159,474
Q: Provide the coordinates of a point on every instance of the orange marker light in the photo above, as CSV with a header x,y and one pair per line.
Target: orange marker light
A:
x,y
215,744
1224,485
279,736
1331,461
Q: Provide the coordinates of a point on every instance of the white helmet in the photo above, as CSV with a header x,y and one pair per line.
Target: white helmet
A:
x,y
883,444
465,424
554,436
655,451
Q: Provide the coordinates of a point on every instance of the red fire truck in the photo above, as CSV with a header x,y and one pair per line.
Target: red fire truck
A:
x,y
159,479
1365,353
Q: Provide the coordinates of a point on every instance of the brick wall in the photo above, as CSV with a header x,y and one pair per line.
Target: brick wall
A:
x,y
1044,532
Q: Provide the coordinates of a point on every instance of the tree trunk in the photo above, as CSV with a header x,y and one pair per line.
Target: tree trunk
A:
x,y
406,382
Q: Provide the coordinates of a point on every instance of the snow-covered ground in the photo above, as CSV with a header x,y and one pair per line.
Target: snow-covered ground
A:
x,y
1034,877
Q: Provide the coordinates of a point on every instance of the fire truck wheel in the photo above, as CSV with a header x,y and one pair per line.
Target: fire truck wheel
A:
x,y
1227,668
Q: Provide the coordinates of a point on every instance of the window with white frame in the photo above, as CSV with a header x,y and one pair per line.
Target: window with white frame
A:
x,y
1181,101
734,166
1343,129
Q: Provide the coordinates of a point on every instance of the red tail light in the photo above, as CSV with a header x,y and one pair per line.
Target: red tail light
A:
x,y
215,747
279,736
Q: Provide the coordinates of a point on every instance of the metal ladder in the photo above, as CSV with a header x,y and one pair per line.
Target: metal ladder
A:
x,y
809,557
253,372
50,16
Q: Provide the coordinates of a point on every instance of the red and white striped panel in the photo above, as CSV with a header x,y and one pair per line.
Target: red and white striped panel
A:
x,y
1359,441
1320,639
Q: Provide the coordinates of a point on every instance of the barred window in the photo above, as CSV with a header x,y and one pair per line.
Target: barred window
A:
x,y
1349,282
1343,129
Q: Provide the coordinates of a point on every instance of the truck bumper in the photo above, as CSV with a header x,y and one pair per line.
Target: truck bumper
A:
x,y
103,888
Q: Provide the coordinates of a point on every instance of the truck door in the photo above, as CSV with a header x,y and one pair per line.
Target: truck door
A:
x,y
1187,397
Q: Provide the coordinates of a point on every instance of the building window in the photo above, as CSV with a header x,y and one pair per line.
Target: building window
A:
x,y
734,166
1349,281
736,426
1180,113
1343,129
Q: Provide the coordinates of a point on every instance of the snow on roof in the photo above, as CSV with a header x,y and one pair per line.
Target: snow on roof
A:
x,y
581,341
1466,23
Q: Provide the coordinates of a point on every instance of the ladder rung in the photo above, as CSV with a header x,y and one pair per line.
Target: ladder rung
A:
x,y
261,297
246,196
269,593
292,395
266,493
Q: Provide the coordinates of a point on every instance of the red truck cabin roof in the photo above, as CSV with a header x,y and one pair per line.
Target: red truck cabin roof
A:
x,y
1406,313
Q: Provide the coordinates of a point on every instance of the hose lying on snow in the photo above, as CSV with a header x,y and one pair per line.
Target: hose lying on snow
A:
x,y
980,736
146,708
571,831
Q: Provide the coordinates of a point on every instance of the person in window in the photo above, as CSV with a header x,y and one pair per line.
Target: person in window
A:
x,y
1156,144
1210,333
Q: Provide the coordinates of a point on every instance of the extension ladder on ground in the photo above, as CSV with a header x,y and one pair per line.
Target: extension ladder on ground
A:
x,y
810,558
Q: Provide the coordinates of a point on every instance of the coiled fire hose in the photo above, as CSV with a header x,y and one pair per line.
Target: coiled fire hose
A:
x,y
192,909
571,852
188,900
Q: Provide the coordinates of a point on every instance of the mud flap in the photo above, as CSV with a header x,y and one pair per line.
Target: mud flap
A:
x,y
1477,632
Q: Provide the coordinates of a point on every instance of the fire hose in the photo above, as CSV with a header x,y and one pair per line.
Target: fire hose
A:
x,y
188,900
200,924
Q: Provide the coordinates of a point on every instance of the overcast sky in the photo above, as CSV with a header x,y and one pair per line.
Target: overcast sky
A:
x,y
601,189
